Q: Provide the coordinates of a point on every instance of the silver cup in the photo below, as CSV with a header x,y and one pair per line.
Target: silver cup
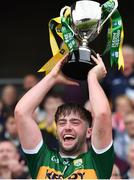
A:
x,y
86,25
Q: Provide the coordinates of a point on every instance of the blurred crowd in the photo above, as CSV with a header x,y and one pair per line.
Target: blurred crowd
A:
x,y
119,88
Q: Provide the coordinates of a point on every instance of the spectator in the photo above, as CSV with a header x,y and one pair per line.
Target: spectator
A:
x,y
11,133
123,139
123,106
122,165
47,125
9,98
121,82
10,165
115,172
130,155
29,81
11,130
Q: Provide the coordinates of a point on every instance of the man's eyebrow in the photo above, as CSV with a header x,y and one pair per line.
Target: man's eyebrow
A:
x,y
62,119
75,119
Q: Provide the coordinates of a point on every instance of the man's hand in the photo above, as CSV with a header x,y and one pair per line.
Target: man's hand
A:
x,y
11,168
16,167
57,74
99,70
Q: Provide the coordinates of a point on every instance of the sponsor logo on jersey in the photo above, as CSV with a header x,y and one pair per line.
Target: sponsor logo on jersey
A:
x,y
55,159
50,173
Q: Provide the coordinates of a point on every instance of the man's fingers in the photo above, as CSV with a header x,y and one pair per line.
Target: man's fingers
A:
x,y
98,59
63,60
71,81
94,59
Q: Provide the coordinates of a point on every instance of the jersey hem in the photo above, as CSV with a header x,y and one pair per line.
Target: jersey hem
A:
x,y
101,151
35,150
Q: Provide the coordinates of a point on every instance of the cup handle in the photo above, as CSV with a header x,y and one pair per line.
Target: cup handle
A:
x,y
115,7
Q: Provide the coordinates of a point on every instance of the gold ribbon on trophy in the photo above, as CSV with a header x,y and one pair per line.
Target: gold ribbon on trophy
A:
x,y
58,53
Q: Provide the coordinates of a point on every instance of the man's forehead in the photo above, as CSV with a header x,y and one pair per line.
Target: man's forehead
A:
x,y
7,145
71,114
129,118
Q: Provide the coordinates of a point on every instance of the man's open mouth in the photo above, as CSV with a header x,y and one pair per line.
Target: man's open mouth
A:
x,y
68,137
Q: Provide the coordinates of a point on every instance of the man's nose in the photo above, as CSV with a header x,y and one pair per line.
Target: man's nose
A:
x,y
68,126
4,154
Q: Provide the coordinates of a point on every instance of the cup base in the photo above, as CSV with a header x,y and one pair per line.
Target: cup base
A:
x,y
79,64
77,71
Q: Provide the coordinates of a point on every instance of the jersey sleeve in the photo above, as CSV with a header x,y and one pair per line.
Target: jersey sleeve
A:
x,y
103,162
36,159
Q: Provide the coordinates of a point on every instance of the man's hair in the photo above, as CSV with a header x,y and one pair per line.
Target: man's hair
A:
x,y
67,109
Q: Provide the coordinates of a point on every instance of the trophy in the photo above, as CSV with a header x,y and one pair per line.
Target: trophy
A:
x,y
77,26
85,25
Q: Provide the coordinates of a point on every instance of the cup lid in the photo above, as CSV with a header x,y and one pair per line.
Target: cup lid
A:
x,y
85,9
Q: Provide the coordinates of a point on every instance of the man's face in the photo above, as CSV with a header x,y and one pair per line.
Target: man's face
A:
x,y
72,134
115,173
129,125
7,152
52,104
128,59
131,155
123,105
29,81
11,127
9,95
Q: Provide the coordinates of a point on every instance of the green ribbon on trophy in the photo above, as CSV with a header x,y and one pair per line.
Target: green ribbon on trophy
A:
x,y
62,27
68,34
115,35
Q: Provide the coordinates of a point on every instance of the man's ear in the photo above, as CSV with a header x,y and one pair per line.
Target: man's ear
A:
x,y
89,132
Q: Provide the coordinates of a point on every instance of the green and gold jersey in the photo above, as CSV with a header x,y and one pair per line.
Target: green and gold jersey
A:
x,y
47,164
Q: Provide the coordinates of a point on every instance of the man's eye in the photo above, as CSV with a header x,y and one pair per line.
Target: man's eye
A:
x,y
62,123
76,122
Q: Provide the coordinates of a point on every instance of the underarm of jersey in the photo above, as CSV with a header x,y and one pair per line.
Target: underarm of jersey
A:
x,y
100,151
35,150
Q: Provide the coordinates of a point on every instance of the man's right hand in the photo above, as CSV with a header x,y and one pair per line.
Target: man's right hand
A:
x,y
58,76
99,70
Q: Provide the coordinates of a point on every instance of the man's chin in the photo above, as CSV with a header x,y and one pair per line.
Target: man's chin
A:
x,y
69,147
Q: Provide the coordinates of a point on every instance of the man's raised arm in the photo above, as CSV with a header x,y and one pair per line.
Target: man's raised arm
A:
x,y
29,133
102,125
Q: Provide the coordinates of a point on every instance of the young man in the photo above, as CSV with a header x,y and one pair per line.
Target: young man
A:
x,y
75,160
